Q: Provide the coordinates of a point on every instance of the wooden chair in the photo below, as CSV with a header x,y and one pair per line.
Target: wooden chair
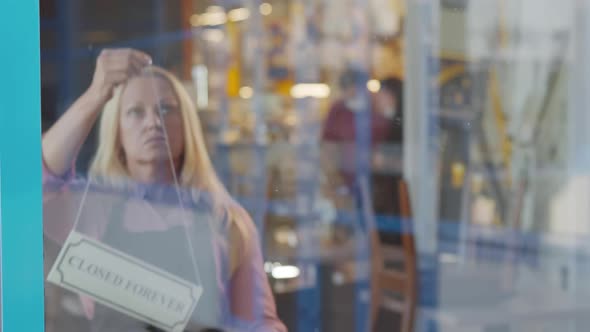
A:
x,y
385,279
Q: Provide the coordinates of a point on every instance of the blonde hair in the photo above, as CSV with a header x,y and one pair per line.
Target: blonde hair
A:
x,y
196,171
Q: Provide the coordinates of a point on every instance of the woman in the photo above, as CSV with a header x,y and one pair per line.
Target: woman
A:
x,y
150,134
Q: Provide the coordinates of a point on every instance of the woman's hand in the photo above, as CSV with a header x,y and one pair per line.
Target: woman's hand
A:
x,y
64,139
113,67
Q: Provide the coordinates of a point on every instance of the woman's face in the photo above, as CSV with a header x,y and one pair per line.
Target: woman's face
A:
x,y
149,110
385,103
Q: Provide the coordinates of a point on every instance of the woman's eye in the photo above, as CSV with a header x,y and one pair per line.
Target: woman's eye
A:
x,y
165,109
135,111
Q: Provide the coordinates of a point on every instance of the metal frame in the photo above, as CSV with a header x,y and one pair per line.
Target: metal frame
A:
x,y
421,155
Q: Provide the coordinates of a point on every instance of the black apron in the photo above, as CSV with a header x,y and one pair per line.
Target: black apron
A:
x,y
152,247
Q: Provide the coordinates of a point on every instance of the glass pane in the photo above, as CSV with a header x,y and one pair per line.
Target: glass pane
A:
x,y
512,174
315,165
249,151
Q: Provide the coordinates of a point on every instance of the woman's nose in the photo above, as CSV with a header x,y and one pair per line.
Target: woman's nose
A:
x,y
153,119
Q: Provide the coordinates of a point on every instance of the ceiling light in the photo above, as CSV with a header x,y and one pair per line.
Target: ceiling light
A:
x,y
246,92
238,14
214,15
374,86
285,272
265,9
315,90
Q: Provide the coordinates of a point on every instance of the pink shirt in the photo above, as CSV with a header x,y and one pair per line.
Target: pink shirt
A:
x,y
247,290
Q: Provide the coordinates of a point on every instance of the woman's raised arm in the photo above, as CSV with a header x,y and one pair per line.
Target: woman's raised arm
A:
x,y
63,140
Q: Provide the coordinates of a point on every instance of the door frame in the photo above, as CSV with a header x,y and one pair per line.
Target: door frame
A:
x,y
21,252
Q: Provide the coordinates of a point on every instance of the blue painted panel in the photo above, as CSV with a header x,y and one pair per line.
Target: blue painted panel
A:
x,y
20,168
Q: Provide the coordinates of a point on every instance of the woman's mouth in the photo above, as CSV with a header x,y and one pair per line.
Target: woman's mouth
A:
x,y
156,139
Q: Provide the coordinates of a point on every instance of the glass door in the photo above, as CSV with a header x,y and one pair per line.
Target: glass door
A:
x,y
216,164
